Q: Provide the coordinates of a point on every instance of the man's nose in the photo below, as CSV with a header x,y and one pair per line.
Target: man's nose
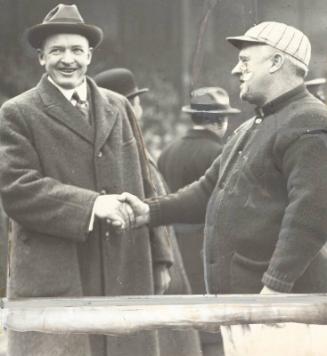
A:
x,y
67,57
237,70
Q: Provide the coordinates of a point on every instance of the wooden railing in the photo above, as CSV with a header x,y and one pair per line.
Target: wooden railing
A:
x,y
121,315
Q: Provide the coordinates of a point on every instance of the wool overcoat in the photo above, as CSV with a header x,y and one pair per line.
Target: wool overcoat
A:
x,y
53,166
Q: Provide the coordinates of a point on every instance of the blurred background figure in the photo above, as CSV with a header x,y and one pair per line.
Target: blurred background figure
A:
x,y
185,161
317,87
4,96
172,342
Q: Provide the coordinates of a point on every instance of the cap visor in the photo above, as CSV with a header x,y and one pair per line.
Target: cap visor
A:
x,y
239,41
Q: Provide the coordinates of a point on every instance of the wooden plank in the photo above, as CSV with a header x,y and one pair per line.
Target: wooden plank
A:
x,y
123,315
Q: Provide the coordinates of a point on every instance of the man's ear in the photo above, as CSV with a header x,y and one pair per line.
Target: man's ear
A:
x,y
40,55
277,62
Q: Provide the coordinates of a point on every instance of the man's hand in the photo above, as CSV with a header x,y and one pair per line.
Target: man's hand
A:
x,y
161,278
266,290
120,215
140,209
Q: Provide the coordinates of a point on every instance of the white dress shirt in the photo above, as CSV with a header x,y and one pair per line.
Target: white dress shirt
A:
x,y
68,93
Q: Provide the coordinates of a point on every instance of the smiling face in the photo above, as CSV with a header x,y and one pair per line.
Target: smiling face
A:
x,y
65,58
254,72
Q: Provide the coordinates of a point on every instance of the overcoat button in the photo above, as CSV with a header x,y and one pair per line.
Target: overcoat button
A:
x,y
100,154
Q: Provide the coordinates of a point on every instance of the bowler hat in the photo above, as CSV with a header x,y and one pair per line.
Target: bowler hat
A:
x,y
278,35
315,82
209,101
317,87
120,80
63,19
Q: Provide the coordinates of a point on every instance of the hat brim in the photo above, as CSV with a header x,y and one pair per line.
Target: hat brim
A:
x,y
38,33
187,109
136,93
315,82
238,41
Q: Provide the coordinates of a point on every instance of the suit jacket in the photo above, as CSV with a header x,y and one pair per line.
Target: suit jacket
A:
x,y
53,166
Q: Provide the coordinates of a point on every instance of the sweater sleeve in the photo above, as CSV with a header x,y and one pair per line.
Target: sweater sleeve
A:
x,y
37,202
304,224
188,205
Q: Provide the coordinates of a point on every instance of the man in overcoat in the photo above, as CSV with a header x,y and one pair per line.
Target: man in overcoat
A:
x,y
67,149
264,198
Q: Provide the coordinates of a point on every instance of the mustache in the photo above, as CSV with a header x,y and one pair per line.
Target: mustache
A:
x,y
246,76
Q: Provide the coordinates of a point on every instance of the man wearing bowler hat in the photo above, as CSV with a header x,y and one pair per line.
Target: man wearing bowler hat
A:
x,y
264,198
68,148
184,161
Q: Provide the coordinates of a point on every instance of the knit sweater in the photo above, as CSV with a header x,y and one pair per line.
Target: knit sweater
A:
x,y
264,201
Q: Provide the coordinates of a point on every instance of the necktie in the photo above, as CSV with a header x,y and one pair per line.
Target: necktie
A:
x,y
81,105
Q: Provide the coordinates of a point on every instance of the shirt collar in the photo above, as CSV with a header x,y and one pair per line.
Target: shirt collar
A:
x,y
67,93
280,102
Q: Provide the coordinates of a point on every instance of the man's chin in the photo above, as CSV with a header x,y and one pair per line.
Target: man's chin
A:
x,y
67,84
244,96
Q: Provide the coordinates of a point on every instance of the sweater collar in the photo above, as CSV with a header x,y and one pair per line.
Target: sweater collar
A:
x,y
281,101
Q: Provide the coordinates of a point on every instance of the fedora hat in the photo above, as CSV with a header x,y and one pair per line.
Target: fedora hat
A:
x,y
209,100
120,80
63,19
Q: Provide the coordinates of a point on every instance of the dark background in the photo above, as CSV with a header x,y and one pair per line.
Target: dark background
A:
x,y
156,39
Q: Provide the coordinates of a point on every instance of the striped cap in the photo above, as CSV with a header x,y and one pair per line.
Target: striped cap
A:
x,y
278,35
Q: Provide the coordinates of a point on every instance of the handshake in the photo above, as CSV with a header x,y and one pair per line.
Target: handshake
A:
x,y
123,211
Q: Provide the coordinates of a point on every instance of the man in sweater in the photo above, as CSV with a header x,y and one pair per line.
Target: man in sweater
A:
x,y
264,198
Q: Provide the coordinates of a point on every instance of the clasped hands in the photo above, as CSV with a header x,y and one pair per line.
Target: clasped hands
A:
x,y
123,211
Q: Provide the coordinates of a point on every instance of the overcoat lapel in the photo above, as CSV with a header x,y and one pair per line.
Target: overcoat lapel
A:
x,y
59,108
105,115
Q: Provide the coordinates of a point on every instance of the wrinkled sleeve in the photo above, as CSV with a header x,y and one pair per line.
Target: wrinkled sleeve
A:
x,y
37,202
187,205
304,226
